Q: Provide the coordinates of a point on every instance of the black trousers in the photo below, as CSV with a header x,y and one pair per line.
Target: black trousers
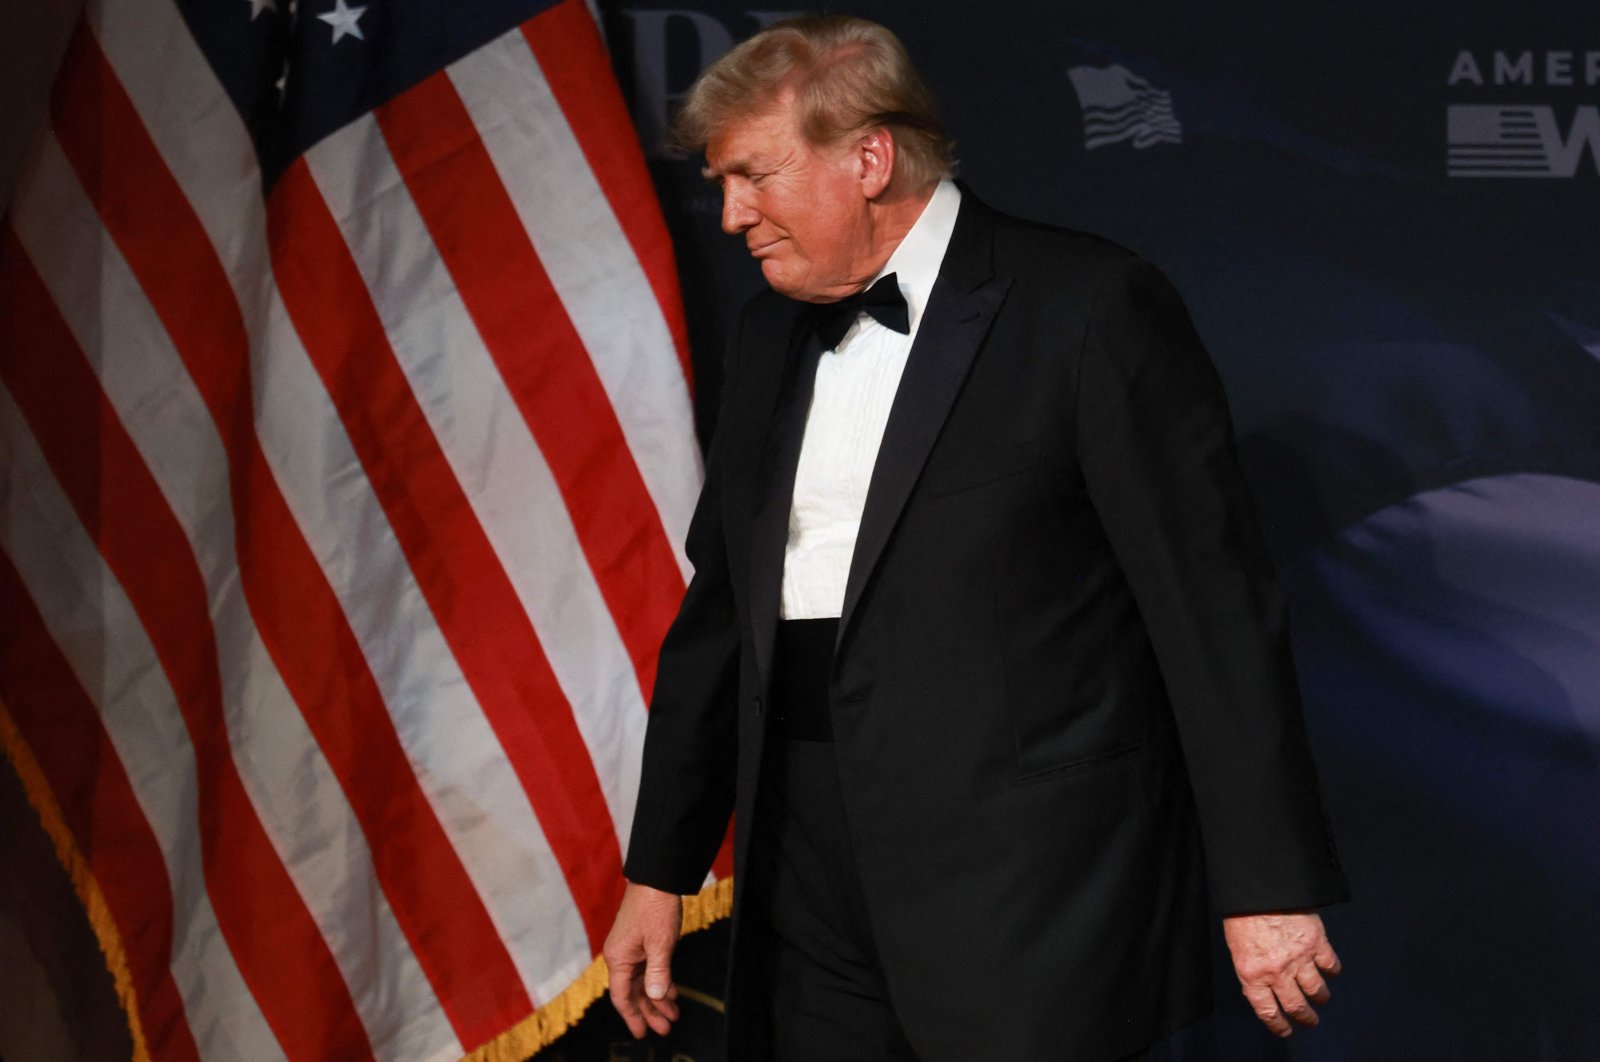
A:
x,y
824,992
822,986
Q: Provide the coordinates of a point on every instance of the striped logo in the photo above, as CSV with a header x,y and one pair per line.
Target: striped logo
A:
x,y
1119,105
1518,141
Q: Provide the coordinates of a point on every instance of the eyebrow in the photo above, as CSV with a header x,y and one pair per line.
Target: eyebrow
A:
x,y
739,166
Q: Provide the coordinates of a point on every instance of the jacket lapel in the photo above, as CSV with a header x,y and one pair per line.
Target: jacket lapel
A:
x,y
960,310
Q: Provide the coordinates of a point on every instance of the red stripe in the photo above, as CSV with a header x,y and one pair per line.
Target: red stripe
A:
x,y
280,952
65,734
722,866
543,361
298,615
476,606
567,45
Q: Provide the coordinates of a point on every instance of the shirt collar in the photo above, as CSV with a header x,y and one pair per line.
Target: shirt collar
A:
x,y
916,261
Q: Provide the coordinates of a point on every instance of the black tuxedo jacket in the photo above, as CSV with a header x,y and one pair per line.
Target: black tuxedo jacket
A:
x,y
1062,696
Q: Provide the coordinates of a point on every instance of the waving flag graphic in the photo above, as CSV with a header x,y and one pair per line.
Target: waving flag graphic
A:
x,y
1120,105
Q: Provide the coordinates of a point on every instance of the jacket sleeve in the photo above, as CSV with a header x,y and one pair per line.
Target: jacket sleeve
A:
x,y
686,787
1156,448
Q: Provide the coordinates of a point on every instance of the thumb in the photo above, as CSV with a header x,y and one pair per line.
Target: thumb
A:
x,y
657,969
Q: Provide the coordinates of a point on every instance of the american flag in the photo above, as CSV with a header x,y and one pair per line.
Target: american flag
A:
x,y
1120,105
345,460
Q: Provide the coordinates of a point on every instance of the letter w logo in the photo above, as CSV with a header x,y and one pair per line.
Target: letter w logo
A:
x,y
1496,141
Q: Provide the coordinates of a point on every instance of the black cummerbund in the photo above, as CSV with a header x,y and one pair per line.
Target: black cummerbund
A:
x,y
801,662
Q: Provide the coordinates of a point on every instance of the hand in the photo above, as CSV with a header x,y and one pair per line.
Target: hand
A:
x,y
638,953
1281,959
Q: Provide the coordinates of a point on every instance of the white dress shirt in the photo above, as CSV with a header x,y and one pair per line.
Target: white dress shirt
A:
x,y
855,386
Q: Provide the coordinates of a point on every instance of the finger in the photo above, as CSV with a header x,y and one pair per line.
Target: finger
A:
x,y
659,1009
668,1007
654,1017
624,985
1312,984
1294,1001
1267,1009
658,970
1326,960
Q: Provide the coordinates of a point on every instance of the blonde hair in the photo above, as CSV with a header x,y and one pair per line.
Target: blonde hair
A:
x,y
847,75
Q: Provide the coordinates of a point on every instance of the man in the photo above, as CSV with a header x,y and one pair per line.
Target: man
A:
x,y
981,643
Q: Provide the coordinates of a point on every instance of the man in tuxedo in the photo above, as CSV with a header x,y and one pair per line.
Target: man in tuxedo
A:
x,y
982,647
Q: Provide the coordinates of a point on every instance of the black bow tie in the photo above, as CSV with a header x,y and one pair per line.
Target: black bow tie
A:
x,y
882,302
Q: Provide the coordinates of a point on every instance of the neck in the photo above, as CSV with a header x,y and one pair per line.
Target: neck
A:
x,y
891,216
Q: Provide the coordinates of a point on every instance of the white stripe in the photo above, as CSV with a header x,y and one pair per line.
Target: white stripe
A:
x,y
592,267
493,454
459,763
1098,110
295,793
91,619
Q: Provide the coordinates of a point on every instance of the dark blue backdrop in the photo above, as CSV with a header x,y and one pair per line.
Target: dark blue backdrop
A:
x,y
1412,351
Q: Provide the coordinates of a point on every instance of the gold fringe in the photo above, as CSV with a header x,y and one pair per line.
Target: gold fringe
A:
x,y
528,1037
712,904
545,1025
37,788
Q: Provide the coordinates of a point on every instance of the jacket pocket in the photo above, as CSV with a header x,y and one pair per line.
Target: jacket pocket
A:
x,y
1115,754
974,468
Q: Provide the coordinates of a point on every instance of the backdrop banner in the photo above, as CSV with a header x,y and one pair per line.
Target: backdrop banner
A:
x,y
1384,221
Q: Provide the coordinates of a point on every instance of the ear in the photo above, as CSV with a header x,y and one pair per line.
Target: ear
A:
x,y
875,155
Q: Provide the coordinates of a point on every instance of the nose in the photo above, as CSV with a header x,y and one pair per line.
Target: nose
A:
x,y
737,213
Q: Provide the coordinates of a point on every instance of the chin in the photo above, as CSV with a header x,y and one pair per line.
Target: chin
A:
x,y
784,283
778,280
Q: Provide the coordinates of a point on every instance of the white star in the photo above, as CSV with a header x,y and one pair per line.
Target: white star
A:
x,y
282,84
258,6
344,21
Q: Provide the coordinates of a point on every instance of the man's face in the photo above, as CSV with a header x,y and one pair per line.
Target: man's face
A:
x,y
801,209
